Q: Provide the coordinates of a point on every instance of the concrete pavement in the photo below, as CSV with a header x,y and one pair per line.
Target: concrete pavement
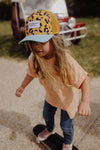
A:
x,y
19,115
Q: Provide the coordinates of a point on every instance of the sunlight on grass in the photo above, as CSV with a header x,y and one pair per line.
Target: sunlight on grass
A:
x,y
9,45
5,28
87,53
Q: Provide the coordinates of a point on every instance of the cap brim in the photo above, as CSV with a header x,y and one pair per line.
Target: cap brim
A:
x,y
37,38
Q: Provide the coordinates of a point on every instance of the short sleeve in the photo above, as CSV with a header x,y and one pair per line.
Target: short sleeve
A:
x,y
78,73
30,69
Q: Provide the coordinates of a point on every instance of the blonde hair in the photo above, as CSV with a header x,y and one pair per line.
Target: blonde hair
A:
x,y
62,66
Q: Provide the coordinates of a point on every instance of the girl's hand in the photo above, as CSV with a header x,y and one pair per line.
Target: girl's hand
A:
x,y
84,109
19,91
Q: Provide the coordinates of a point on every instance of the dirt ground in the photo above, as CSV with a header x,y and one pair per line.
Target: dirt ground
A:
x,y
19,115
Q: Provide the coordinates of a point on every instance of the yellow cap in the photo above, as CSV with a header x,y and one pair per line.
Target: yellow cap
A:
x,y
41,22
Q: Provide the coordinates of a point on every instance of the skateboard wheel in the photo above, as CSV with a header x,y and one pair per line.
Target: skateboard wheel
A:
x,y
37,140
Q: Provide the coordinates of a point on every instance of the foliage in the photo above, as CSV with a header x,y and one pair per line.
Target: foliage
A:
x,y
5,10
6,1
86,8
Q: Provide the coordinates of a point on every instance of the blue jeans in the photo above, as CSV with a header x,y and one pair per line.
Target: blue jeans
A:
x,y
65,122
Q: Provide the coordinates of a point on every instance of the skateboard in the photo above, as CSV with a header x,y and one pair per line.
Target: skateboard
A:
x,y
53,142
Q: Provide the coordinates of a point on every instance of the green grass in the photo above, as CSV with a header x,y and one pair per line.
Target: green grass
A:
x,y
9,46
87,53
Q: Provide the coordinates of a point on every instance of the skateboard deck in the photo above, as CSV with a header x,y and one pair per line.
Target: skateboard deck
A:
x,y
53,142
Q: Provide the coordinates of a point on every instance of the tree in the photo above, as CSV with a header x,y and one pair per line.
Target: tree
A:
x,y
83,8
5,10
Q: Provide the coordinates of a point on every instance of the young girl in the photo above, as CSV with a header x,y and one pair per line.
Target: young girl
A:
x,y
58,72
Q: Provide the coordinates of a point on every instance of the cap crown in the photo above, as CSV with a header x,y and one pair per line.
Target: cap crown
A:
x,y
41,22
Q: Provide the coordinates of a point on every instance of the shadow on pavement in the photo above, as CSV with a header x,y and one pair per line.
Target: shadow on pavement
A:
x,y
18,123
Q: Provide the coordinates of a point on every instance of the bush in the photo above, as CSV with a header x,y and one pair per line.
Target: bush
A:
x,y
5,11
83,8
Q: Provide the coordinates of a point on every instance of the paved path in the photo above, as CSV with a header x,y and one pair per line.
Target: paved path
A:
x,y
19,115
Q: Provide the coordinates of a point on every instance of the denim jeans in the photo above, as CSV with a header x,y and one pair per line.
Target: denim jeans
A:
x,y
65,122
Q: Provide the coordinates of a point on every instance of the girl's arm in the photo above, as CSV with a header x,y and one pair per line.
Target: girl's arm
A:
x,y
25,82
84,106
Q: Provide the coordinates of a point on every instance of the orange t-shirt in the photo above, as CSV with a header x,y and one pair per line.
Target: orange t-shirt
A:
x,y
58,95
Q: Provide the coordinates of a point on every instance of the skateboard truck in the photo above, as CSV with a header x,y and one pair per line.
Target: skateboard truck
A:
x,y
53,142
37,140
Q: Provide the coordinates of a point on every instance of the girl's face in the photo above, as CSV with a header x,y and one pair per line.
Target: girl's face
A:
x,y
43,49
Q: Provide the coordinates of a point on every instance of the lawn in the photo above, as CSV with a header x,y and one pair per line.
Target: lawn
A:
x,y
9,46
87,53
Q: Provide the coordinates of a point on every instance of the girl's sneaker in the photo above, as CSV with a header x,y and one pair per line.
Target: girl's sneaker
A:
x,y
44,134
67,147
